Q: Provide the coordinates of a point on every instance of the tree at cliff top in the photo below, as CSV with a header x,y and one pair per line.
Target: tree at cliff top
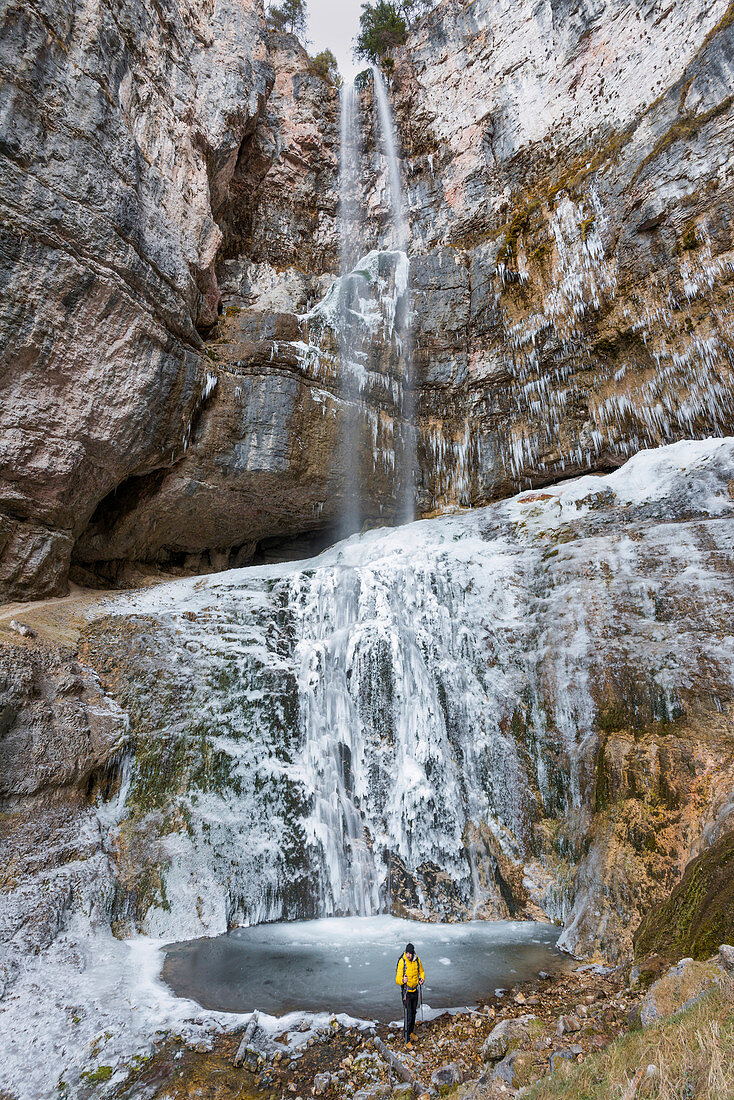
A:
x,y
289,15
325,65
385,25
381,27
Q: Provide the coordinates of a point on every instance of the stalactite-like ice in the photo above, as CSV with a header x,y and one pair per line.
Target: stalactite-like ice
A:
x,y
416,699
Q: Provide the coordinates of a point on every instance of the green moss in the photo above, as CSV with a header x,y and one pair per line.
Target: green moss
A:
x,y
519,224
614,718
643,712
99,1075
619,344
699,913
688,241
541,252
586,226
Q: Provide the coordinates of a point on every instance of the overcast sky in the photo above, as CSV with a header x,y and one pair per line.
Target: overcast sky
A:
x,y
333,24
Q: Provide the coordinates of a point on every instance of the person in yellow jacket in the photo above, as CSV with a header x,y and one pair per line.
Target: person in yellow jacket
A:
x,y
409,975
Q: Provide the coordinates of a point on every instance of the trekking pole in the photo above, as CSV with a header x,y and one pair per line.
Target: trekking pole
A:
x,y
420,987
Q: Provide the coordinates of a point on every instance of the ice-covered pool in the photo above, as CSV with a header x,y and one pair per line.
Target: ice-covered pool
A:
x,y
348,964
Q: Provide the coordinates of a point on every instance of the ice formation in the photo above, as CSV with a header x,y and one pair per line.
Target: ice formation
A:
x,y
407,703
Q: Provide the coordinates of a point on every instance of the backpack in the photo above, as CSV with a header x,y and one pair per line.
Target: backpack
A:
x,y
403,988
397,964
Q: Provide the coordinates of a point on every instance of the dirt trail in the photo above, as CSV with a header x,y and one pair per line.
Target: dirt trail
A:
x,y
60,619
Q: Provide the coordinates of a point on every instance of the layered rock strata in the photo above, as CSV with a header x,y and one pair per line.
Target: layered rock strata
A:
x,y
569,186
567,173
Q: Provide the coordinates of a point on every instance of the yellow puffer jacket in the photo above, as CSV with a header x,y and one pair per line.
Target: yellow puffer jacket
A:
x,y
412,969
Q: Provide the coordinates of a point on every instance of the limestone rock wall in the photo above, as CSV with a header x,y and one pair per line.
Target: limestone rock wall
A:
x,y
61,742
122,127
567,170
569,181
58,730
258,462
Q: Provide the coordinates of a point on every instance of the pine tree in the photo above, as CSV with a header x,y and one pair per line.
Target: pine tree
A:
x,y
326,66
289,15
385,24
381,27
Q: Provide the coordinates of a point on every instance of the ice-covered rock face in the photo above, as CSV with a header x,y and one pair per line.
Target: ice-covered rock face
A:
x,y
437,719
568,179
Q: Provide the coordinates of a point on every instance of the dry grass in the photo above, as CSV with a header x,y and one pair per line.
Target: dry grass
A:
x,y
688,1057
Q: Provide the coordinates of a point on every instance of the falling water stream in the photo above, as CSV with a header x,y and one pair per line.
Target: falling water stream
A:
x,y
406,511
398,224
353,318
351,241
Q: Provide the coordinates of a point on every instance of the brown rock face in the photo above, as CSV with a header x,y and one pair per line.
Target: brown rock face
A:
x,y
58,730
123,126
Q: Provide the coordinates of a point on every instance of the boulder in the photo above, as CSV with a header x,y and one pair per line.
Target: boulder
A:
x,y
726,957
508,1035
682,986
567,1024
372,1092
515,1069
321,1083
447,1075
559,1056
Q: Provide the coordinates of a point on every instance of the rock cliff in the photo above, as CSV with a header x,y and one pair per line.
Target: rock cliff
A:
x,y
122,127
569,181
568,188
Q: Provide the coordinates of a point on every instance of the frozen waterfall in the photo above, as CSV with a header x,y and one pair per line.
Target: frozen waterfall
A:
x,y
354,305
410,720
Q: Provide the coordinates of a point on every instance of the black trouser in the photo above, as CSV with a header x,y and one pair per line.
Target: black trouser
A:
x,y
411,1007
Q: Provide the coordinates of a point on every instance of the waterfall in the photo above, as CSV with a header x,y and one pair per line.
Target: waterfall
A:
x,y
399,227
368,303
389,148
350,155
372,736
350,233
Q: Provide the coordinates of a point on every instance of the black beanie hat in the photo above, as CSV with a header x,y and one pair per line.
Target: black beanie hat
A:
x,y
409,949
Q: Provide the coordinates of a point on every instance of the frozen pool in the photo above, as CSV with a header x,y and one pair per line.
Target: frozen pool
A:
x,y
347,964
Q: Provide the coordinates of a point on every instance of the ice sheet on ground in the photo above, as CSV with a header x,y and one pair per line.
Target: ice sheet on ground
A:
x,y
302,965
